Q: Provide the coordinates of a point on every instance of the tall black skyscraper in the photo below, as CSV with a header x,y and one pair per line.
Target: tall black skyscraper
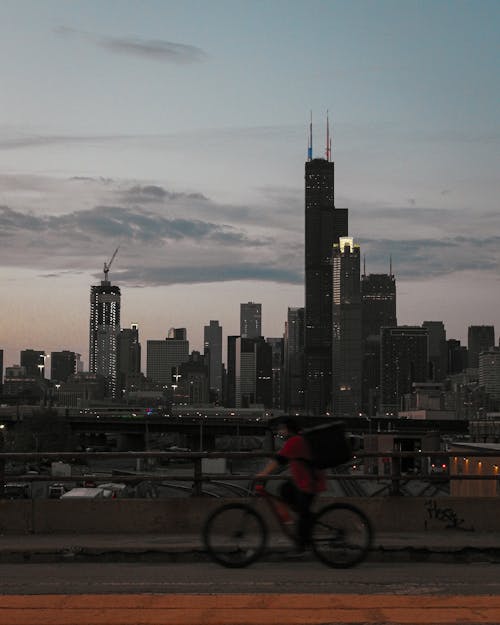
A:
x,y
324,224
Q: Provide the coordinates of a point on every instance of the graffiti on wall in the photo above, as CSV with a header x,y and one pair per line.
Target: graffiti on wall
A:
x,y
445,515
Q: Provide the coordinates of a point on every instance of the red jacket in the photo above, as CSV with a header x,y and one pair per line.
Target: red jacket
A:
x,y
307,478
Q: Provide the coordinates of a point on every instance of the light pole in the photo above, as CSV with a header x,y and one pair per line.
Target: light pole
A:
x,y
369,419
41,366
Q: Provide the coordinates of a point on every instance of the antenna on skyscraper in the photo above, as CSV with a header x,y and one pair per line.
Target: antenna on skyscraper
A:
x,y
328,142
390,264
310,143
364,264
331,143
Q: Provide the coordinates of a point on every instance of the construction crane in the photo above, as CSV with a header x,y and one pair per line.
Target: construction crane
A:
x,y
107,266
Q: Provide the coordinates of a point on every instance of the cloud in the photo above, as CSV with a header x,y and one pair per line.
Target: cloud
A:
x,y
192,274
11,221
168,236
134,225
421,258
154,193
150,245
159,50
33,141
11,140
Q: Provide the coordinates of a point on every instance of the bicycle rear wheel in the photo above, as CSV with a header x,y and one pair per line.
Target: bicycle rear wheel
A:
x,y
234,535
341,535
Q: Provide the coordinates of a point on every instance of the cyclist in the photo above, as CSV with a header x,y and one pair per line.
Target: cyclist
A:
x,y
306,481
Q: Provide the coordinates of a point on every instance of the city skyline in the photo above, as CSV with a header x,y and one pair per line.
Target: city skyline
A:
x,y
204,195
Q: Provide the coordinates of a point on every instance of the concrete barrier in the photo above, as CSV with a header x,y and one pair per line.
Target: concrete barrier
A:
x,y
186,515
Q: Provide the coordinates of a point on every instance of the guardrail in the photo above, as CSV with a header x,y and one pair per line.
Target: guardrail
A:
x,y
394,475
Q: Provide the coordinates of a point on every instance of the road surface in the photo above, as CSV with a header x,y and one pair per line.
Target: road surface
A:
x,y
269,593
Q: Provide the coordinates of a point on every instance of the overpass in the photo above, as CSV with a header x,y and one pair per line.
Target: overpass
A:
x,y
201,426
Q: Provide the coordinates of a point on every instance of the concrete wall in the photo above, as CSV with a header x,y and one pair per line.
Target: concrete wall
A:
x,y
184,516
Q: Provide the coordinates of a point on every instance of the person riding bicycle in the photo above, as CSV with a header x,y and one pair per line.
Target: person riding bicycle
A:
x,y
306,481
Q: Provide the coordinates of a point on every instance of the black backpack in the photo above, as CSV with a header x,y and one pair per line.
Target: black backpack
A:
x,y
329,444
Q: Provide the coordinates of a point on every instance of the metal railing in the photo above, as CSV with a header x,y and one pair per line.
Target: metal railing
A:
x,y
394,476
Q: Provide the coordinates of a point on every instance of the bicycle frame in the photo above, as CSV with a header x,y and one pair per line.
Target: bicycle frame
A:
x,y
279,507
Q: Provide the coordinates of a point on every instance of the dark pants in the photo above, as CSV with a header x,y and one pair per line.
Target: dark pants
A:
x,y
301,503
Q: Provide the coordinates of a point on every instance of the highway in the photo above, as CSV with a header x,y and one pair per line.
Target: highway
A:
x,y
268,593
269,577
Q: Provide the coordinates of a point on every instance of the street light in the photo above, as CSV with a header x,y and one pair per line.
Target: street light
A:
x,y
41,366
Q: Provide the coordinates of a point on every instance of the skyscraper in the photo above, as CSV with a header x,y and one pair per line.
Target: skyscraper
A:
x,y
403,361
277,355
378,309
249,372
250,320
480,339
324,224
104,329
212,342
129,355
194,380
378,294
457,356
294,361
164,357
33,360
489,373
63,365
438,350
346,324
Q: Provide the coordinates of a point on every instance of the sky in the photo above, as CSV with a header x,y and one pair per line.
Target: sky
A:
x,y
177,132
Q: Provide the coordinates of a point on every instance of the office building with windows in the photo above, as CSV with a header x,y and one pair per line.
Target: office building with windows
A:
x,y
489,374
346,324
164,358
403,362
212,343
378,309
33,360
250,320
129,356
104,330
438,350
293,361
63,365
480,339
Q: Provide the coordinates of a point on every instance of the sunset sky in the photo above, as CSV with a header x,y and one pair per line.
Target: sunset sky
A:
x,y
178,132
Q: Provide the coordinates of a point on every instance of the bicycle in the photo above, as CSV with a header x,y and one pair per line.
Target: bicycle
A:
x,y
235,534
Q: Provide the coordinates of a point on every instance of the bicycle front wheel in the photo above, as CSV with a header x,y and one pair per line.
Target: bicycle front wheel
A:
x,y
341,535
235,535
